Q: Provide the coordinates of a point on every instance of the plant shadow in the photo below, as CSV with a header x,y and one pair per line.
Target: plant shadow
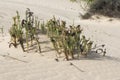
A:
x,y
116,59
45,42
48,49
98,56
90,56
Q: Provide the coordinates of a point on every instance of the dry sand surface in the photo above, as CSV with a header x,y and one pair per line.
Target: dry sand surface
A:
x,y
16,65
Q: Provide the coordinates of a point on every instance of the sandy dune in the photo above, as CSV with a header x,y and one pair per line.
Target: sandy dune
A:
x,y
16,65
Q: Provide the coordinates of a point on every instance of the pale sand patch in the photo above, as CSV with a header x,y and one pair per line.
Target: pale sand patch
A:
x,y
16,65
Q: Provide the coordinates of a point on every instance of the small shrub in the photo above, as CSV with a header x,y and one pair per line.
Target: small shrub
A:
x,y
31,27
16,32
110,8
67,40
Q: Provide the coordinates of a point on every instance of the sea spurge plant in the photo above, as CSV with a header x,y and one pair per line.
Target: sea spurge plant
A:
x,y
67,40
30,25
16,32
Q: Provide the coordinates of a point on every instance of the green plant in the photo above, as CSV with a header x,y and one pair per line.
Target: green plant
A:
x,y
31,26
67,40
30,32
16,32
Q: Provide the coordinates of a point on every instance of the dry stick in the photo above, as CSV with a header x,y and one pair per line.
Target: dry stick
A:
x,y
13,58
76,67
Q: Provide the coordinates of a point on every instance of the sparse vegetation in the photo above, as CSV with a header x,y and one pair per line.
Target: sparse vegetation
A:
x,y
67,40
110,8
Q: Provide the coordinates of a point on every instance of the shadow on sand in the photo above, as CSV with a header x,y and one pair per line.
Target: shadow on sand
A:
x,y
98,56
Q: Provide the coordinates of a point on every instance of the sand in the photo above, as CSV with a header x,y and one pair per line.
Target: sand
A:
x,y
18,65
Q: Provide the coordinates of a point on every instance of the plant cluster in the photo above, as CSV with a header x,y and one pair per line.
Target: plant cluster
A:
x,y
28,27
68,40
